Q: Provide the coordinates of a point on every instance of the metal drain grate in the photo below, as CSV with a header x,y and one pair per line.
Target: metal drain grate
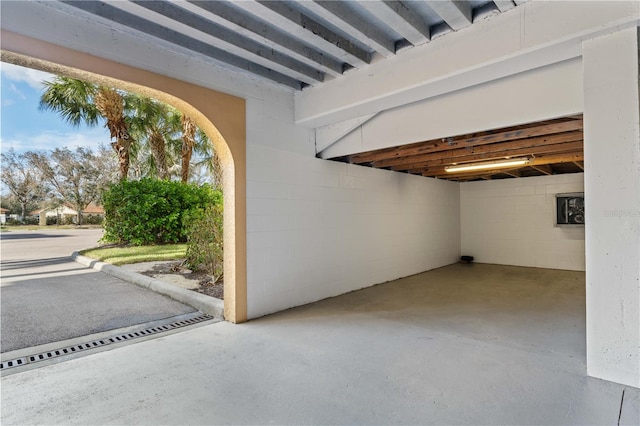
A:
x,y
101,342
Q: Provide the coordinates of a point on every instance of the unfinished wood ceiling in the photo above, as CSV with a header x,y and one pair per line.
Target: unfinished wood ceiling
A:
x,y
551,147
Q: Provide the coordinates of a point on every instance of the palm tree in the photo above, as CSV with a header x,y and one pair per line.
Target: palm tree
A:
x,y
80,102
159,138
111,105
154,124
188,141
207,157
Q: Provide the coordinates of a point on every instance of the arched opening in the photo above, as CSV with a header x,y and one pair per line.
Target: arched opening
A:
x,y
221,116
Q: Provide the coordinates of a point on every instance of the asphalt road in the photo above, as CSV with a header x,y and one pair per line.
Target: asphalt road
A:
x,y
46,297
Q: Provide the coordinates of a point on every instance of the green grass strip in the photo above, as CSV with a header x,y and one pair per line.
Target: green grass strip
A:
x,y
136,254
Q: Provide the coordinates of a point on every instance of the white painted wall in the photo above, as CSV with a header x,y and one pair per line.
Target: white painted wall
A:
x,y
612,184
317,228
511,222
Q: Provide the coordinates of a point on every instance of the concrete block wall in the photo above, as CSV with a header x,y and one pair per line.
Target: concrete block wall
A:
x,y
317,228
511,222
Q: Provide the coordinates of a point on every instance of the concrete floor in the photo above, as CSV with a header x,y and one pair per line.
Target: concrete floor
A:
x,y
465,344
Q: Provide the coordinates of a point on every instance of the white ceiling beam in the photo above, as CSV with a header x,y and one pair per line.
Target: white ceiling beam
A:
x,y
307,30
504,5
457,14
187,22
336,14
236,19
221,55
534,35
330,135
385,12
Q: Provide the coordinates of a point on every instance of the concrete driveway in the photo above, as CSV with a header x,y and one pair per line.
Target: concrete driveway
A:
x,y
47,297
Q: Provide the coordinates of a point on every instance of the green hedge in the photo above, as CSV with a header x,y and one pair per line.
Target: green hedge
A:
x,y
205,246
151,211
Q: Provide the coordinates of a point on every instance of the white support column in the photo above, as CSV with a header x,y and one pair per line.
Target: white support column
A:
x,y
612,197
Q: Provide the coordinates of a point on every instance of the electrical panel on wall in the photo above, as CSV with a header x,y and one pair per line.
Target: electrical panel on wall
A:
x,y
570,209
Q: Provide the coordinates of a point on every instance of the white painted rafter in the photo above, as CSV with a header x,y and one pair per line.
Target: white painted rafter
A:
x,y
461,59
294,23
504,5
186,22
385,12
457,14
230,16
335,13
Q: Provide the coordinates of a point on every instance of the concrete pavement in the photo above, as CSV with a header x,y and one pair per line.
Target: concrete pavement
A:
x,y
459,345
47,297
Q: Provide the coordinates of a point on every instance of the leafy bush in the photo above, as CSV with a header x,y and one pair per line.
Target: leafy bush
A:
x,y
92,219
61,220
204,228
28,220
150,211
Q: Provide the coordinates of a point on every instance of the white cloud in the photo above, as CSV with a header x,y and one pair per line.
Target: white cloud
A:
x,y
92,138
17,91
30,76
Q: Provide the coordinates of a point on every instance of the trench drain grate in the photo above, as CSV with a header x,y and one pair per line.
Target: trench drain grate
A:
x,y
68,350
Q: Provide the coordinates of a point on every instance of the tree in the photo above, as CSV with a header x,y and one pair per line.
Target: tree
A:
x,y
111,105
151,137
188,141
76,177
21,180
154,125
80,102
208,158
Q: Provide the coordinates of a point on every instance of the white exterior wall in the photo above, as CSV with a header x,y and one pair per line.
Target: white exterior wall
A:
x,y
511,222
317,228
612,206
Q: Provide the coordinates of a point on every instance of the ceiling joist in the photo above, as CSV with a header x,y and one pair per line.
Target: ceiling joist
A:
x,y
290,42
523,152
230,15
477,152
510,134
553,146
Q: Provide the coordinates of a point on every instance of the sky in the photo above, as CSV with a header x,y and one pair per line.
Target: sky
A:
x,y
24,127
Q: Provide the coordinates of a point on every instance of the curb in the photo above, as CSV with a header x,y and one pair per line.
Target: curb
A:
x,y
205,304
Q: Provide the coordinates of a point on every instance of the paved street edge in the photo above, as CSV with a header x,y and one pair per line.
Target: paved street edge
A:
x,y
205,304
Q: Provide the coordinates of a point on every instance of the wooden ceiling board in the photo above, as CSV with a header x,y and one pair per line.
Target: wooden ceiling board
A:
x,y
553,147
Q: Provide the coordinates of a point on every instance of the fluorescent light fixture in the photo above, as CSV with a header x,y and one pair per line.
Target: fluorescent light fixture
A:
x,y
511,162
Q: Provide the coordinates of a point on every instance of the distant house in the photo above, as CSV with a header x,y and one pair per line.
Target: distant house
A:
x,y
3,215
65,211
93,210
